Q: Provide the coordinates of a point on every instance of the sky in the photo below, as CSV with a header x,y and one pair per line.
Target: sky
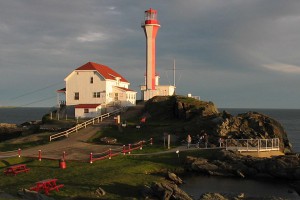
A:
x,y
235,53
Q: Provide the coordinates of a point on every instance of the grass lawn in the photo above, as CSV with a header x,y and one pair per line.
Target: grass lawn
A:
x,y
122,177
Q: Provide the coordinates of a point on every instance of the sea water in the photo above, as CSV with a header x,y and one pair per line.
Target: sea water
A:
x,y
197,185
19,115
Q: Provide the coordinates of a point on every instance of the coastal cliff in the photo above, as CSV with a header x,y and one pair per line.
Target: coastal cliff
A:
x,y
203,117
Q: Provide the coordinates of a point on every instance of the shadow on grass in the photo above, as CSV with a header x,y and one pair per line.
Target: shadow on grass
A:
x,y
124,191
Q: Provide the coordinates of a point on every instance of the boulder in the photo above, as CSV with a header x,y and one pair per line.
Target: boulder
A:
x,y
252,125
228,163
173,177
100,192
214,196
166,190
33,195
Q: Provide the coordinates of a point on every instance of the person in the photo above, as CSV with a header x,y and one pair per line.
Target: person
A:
x,y
205,139
189,140
198,141
221,141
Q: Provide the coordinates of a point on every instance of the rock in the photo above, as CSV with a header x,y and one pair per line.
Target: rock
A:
x,y
167,190
214,196
252,125
227,163
108,140
100,192
173,177
32,195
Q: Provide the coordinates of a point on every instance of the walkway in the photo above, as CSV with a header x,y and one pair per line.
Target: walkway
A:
x,y
75,145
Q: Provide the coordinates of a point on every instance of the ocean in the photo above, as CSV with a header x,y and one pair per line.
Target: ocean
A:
x,y
289,118
20,115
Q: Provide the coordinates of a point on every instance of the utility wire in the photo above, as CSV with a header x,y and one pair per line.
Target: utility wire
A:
x,y
38,101
32,92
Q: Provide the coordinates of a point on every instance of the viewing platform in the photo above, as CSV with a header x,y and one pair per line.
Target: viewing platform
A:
x,y
254,147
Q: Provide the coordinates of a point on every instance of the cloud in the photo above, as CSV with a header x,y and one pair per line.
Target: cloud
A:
x,y
92,37
285,68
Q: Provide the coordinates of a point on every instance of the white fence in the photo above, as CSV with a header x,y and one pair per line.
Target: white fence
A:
x,y
84,125
252,144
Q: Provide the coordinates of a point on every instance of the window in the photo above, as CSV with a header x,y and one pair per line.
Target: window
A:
x,y
86,110
92,80
116,96
76,96
96,94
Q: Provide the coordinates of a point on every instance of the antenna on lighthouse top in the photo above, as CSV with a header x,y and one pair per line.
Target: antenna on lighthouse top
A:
x,y
174,73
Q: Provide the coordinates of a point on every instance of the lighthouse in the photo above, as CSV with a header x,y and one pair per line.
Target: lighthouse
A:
x,y
150,26
152,88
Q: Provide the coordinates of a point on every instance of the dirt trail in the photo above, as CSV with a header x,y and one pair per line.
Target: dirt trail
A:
x,y
75,145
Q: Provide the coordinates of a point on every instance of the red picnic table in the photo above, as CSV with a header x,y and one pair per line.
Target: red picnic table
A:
x,y
15,169
47,186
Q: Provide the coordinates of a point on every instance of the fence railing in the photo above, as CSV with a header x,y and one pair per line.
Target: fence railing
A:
x,y
252,144
84,124
108,154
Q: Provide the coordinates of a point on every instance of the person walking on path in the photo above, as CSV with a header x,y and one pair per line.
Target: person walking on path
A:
x,y
205,140
221,142
189,140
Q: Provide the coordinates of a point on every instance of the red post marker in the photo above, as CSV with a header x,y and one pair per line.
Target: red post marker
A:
x,y
109,154
151,141
19,152
123,149
129,148
91,157
40,155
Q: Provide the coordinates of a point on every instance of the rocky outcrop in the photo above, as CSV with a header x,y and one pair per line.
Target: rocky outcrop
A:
x,y
9,131
179,107
203,117
251,125
166,190
173,177
228,163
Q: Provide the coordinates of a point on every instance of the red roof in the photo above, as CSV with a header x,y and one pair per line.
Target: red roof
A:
x,y
126,89
105,71
61,90
87,105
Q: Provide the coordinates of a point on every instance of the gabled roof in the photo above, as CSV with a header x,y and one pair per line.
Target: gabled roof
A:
x,y
124,89
87,105
105,71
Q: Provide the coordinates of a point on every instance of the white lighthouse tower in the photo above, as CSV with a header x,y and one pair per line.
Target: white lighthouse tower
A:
x,y
151,87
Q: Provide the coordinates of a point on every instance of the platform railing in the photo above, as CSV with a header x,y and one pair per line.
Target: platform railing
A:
x,y
252,144
97,119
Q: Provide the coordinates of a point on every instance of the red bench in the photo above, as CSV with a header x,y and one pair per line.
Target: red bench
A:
x,y
47,186
15,169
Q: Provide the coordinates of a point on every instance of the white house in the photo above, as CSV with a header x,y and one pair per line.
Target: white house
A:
x,y
95,88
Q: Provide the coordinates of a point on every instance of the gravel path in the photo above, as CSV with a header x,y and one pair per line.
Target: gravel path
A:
x,y
75,145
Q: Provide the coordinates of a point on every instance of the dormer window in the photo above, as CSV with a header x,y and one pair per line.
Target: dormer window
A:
x,y
117,80
92,80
